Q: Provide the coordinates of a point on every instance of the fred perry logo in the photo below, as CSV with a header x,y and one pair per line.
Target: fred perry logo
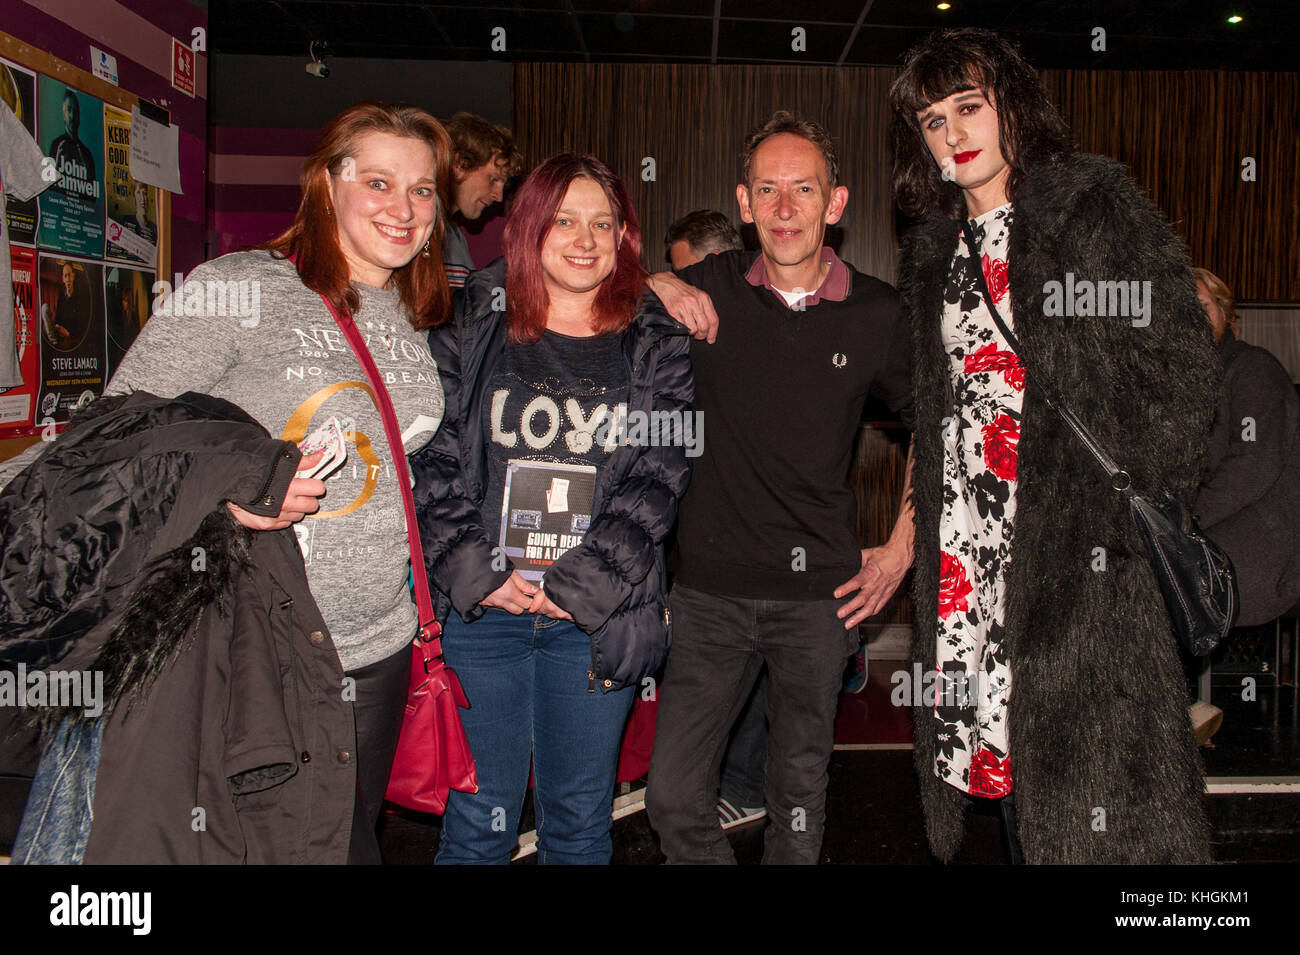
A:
x,y
839,359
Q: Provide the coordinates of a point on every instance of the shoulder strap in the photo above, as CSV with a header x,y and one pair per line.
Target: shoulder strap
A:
x,y
429,629
1119,477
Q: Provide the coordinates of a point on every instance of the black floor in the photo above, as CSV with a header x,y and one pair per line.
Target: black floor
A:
x,y
1259,737
870,818
873,808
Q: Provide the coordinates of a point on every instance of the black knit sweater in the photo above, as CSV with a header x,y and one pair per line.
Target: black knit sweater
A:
x,y
769,514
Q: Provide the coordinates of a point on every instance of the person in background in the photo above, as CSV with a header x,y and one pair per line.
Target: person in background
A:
x,y
485,161
1250,491
697,234
371,244
1059,676
553,604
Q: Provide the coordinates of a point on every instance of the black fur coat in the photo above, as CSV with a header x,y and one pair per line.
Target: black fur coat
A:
x,y
1104,763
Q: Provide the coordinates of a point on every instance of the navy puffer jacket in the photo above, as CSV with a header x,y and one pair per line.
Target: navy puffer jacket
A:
x,y
613,583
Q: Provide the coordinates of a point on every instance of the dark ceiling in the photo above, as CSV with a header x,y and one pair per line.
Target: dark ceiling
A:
x,y
1139,34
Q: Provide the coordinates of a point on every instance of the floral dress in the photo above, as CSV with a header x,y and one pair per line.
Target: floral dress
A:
x,y
973,679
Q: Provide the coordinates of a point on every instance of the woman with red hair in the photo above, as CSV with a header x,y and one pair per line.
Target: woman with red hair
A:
x,y
543,504
366,242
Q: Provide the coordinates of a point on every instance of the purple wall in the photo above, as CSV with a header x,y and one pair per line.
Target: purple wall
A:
x,y
254,192
265,115
138,33
254,188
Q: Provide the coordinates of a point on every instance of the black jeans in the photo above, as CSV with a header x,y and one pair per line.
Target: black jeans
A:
x,y
745,754
378,709
719,645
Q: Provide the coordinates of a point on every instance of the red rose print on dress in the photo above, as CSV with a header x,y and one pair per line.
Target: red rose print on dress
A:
x,y
1000,440
990,777
953,585
973,749
995,274
989,358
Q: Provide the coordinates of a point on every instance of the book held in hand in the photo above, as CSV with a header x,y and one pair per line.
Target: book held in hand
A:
x,y
545,512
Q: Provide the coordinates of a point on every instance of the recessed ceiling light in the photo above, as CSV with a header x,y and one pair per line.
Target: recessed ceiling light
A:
x,y
1234,19
944,6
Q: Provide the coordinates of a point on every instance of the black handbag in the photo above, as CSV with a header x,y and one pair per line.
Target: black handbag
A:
x,y
1194,574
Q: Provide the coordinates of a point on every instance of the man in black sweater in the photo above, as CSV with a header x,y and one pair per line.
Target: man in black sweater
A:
x,y
768,569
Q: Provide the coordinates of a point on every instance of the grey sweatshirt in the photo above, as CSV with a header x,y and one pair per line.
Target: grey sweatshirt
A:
x,y
289,367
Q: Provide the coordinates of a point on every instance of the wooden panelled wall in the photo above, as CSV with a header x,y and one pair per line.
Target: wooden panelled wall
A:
x,y
692,121
1182,134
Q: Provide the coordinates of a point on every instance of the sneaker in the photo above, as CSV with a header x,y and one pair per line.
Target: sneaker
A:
x,y
731,817
1206,720
855,674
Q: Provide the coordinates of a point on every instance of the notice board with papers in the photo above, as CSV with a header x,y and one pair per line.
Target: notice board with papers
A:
x,y
83,253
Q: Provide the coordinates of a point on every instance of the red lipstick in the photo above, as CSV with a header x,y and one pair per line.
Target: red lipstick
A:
x,y
966,157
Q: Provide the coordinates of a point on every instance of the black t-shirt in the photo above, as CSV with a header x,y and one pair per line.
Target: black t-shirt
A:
x,y
548,402
769,513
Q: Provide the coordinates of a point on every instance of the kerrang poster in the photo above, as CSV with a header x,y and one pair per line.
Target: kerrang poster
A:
x,y
71,132
18,90
132,229
73,359
18,404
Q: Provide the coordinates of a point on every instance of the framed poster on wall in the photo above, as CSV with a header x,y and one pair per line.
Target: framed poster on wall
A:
x,y
70,130
18,91
84,253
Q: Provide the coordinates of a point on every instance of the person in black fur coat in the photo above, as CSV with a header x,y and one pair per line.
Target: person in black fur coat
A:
x,y
1094,740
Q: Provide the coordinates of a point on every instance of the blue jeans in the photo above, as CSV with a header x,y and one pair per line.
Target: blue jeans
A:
x,y
527,681
60,808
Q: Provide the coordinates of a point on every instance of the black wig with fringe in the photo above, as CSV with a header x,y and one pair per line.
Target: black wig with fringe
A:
x,y
1031,132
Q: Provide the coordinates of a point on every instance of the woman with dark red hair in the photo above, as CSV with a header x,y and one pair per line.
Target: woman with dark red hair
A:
x,y
543,503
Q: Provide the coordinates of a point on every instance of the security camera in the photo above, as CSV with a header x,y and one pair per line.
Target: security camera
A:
x,y
317,67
